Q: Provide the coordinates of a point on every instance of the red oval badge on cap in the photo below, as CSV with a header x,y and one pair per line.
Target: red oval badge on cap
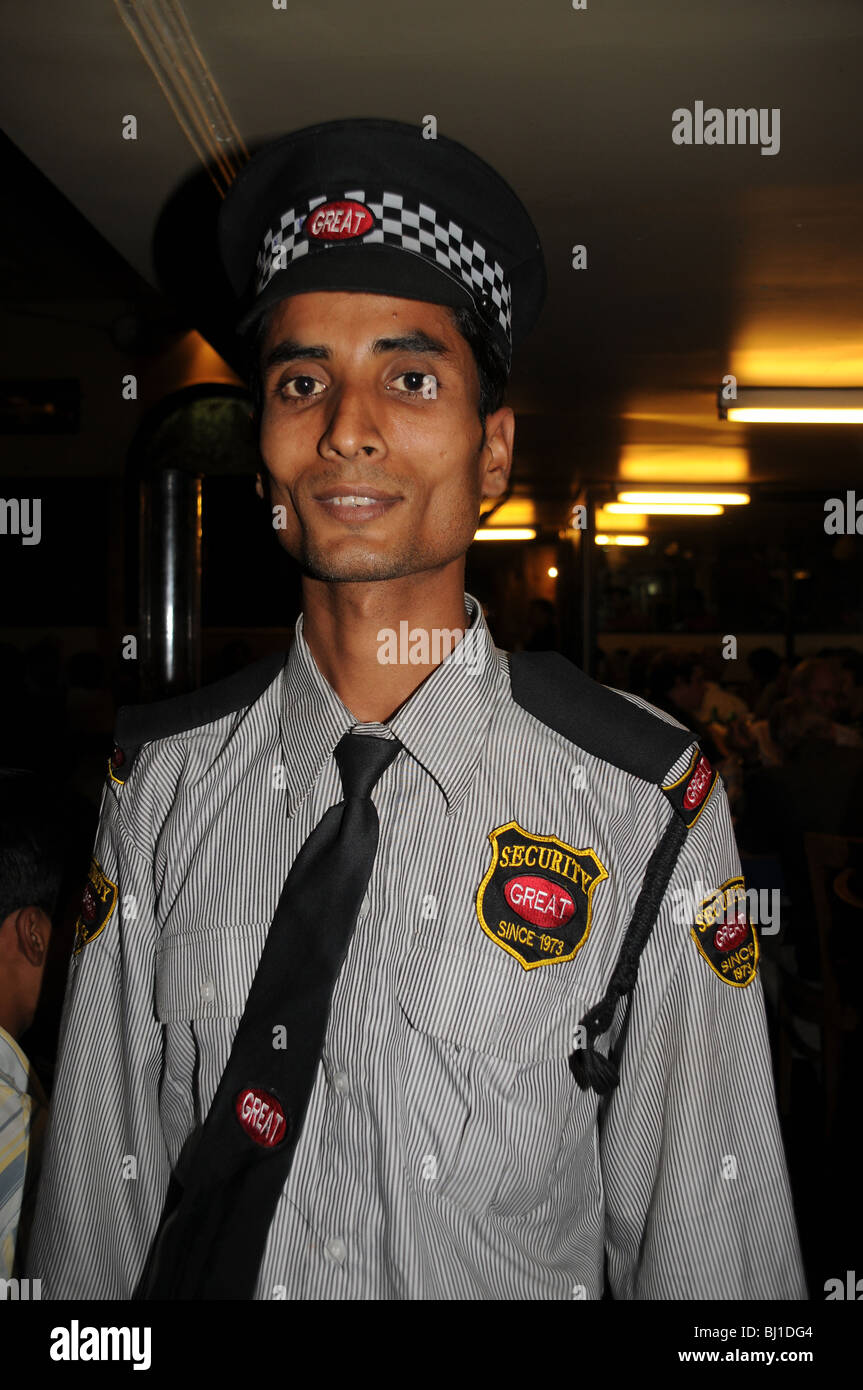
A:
x,y
698,784
338,221
539,901
261,1116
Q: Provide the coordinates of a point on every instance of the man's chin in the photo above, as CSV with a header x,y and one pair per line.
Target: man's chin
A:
x,y
369,568
357,571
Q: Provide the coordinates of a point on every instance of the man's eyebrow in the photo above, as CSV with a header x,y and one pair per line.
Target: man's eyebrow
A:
x,y
289,350
415,341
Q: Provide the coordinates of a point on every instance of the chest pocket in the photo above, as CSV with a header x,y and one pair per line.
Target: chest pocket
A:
x,y
207,973
488,1108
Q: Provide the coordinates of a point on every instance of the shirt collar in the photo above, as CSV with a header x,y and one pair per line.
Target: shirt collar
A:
x,y
443,724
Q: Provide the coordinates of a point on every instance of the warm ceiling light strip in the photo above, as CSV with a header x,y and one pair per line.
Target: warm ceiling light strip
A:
x,y
165,40
680,499
506,533
769,415
663,509
608,538
805,405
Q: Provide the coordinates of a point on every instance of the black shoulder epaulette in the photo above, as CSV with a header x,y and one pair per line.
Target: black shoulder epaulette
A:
x,y
608,726
139,724
599,720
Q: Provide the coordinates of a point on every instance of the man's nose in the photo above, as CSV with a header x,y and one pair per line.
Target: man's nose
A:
x,y
352,428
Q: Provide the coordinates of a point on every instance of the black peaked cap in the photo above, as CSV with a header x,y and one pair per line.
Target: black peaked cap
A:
x,y
370,205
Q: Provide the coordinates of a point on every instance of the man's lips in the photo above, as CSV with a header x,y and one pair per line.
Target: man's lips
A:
x,y
356,504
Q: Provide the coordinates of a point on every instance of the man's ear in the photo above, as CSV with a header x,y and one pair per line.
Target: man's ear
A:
x,y
32,929
262,485
497,452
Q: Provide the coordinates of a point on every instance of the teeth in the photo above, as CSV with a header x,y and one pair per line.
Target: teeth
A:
x,y
353,501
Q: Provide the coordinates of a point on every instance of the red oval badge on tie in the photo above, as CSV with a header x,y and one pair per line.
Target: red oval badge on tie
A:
x,y
539,901
338,221
261,1116
698,784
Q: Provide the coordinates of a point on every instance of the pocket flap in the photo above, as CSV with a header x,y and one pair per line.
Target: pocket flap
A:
x,y
208,973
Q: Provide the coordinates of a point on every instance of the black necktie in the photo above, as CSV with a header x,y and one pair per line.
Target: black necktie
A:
x,y
212,1242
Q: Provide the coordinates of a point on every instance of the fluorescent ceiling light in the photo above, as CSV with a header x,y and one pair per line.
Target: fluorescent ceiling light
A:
x,y
804,405
604,538
677,499
683,465
635,521
664,508
169,48
506,533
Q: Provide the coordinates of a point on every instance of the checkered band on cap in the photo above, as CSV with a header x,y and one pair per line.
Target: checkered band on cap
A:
x,y
418,229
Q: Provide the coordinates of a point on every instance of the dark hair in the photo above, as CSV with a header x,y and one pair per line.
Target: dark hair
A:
x,y
31,847
666,669
764,663
491,364
792,724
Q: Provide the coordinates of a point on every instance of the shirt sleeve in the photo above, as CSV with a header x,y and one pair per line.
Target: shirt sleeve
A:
x,y
14,1124
698,1203
106,1168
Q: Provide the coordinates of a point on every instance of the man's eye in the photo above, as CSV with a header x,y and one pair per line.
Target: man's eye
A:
x,y
419,384
301,387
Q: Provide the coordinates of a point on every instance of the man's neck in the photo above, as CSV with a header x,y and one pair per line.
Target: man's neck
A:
x,y
11,1021
376,643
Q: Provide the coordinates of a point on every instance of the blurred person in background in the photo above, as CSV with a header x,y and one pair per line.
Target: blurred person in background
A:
x,y
768,680
849,663
676,683
816,786
541,627
31,871
817,686
718,705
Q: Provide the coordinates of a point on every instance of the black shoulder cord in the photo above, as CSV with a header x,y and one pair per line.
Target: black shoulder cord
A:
x,y
589,1067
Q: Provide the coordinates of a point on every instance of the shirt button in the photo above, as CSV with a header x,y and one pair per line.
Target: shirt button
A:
x,y
340,1082
337,1249
208,990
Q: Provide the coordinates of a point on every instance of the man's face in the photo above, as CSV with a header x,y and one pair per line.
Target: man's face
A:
x,y
823,691
371,438
689,694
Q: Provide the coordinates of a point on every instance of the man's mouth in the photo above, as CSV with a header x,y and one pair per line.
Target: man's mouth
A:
x,y
356,504
351,500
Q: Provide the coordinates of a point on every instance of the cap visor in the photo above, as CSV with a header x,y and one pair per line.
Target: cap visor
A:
x,y
370,269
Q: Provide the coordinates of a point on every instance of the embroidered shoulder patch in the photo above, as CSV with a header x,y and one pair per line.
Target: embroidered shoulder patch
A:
x,y
690,793
724,935
535,901
97,903
117,765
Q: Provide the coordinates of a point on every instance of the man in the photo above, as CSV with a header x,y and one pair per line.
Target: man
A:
x,y
816,686
348,1011
30,875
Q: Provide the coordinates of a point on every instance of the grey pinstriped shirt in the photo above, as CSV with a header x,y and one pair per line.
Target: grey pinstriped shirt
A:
x,y
447,1150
